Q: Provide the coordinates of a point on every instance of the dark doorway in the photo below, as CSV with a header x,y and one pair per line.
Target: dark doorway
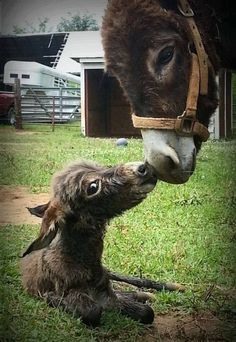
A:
x,y
107,112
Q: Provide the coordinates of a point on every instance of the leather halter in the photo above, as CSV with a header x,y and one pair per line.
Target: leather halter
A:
x,y
186,124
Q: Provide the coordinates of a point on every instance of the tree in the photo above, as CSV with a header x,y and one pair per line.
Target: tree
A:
x,y
31,28
77,22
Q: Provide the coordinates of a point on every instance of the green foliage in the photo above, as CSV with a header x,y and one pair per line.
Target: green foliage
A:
x,y
74,22
42,26
180,233
234,85
234,103
77,22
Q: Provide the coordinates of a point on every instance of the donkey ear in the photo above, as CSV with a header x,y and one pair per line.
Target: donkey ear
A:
x,y
49,228
39,210
41,242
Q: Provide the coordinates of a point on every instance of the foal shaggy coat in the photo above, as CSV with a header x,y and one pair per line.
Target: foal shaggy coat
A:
x,y
64,264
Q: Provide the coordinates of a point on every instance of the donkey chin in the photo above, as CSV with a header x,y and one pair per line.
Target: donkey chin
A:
x,y
173,157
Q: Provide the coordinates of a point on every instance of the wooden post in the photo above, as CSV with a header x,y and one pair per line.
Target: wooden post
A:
x,y
222,102
17,102
228,105
53,113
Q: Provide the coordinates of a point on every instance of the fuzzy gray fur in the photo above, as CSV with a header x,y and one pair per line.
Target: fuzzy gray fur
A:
x,y
64,264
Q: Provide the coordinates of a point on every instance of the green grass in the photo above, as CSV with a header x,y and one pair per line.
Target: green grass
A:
x,y
184,233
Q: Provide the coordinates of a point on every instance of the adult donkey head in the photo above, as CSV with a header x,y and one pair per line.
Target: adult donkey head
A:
x,y
149,49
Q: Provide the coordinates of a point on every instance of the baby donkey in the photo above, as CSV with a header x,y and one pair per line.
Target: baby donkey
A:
x,y
64,264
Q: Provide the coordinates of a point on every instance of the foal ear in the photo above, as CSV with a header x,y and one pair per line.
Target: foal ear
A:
x,y
41,242
49,227
39,210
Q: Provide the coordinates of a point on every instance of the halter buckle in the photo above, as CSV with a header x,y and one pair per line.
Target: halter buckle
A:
x,y
187,11
184,125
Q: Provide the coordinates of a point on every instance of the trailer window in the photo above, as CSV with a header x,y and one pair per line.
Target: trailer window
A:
x,y
14,75
25,76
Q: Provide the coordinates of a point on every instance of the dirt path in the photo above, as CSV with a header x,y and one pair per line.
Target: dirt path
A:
x,y
13,203
201,326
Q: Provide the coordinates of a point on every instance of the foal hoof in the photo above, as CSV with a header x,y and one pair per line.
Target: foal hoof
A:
x,y
143,297
147,315
142,313
93,317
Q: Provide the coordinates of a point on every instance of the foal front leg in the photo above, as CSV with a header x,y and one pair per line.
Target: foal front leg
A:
x,y
145,283
78,304
125,302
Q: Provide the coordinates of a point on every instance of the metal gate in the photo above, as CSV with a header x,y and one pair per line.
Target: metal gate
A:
x,y
50,104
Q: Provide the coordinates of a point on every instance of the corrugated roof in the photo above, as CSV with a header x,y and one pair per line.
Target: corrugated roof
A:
x,y
41,48
83,44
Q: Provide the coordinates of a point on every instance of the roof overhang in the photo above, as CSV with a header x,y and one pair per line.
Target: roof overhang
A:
x,y
90,62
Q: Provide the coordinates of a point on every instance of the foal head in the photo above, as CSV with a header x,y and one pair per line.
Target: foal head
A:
x,y
102,192
88,195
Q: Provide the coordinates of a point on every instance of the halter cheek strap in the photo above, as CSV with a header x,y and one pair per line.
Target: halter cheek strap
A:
x,y
195,36
185,124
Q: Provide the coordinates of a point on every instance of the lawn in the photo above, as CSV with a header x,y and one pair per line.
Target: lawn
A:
x,y
183,233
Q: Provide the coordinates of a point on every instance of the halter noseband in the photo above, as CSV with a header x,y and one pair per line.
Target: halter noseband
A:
x,y
187,123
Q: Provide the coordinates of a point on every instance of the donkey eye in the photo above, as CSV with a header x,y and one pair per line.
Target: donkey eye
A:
x,y
93,188
166,55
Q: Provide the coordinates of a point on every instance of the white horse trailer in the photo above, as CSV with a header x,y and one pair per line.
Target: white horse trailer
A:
x,y
37,75
39,85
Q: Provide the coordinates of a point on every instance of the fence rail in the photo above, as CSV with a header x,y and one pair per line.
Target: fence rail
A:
x,y
50,104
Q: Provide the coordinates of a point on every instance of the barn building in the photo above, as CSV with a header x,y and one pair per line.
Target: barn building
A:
x,y
104,109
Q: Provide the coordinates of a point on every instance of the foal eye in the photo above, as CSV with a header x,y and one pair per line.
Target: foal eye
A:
x,y
166,55
93,188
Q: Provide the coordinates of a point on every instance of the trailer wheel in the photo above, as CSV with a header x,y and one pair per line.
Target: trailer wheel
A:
x,y
11,116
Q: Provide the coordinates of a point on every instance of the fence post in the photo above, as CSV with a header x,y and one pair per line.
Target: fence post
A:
x,y
17,103
61,105
53,113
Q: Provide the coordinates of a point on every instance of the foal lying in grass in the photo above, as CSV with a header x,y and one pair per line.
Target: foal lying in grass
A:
x,y
64,264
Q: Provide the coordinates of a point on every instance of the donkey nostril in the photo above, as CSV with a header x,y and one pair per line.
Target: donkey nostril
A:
x,y
142,170
171,158
171,163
